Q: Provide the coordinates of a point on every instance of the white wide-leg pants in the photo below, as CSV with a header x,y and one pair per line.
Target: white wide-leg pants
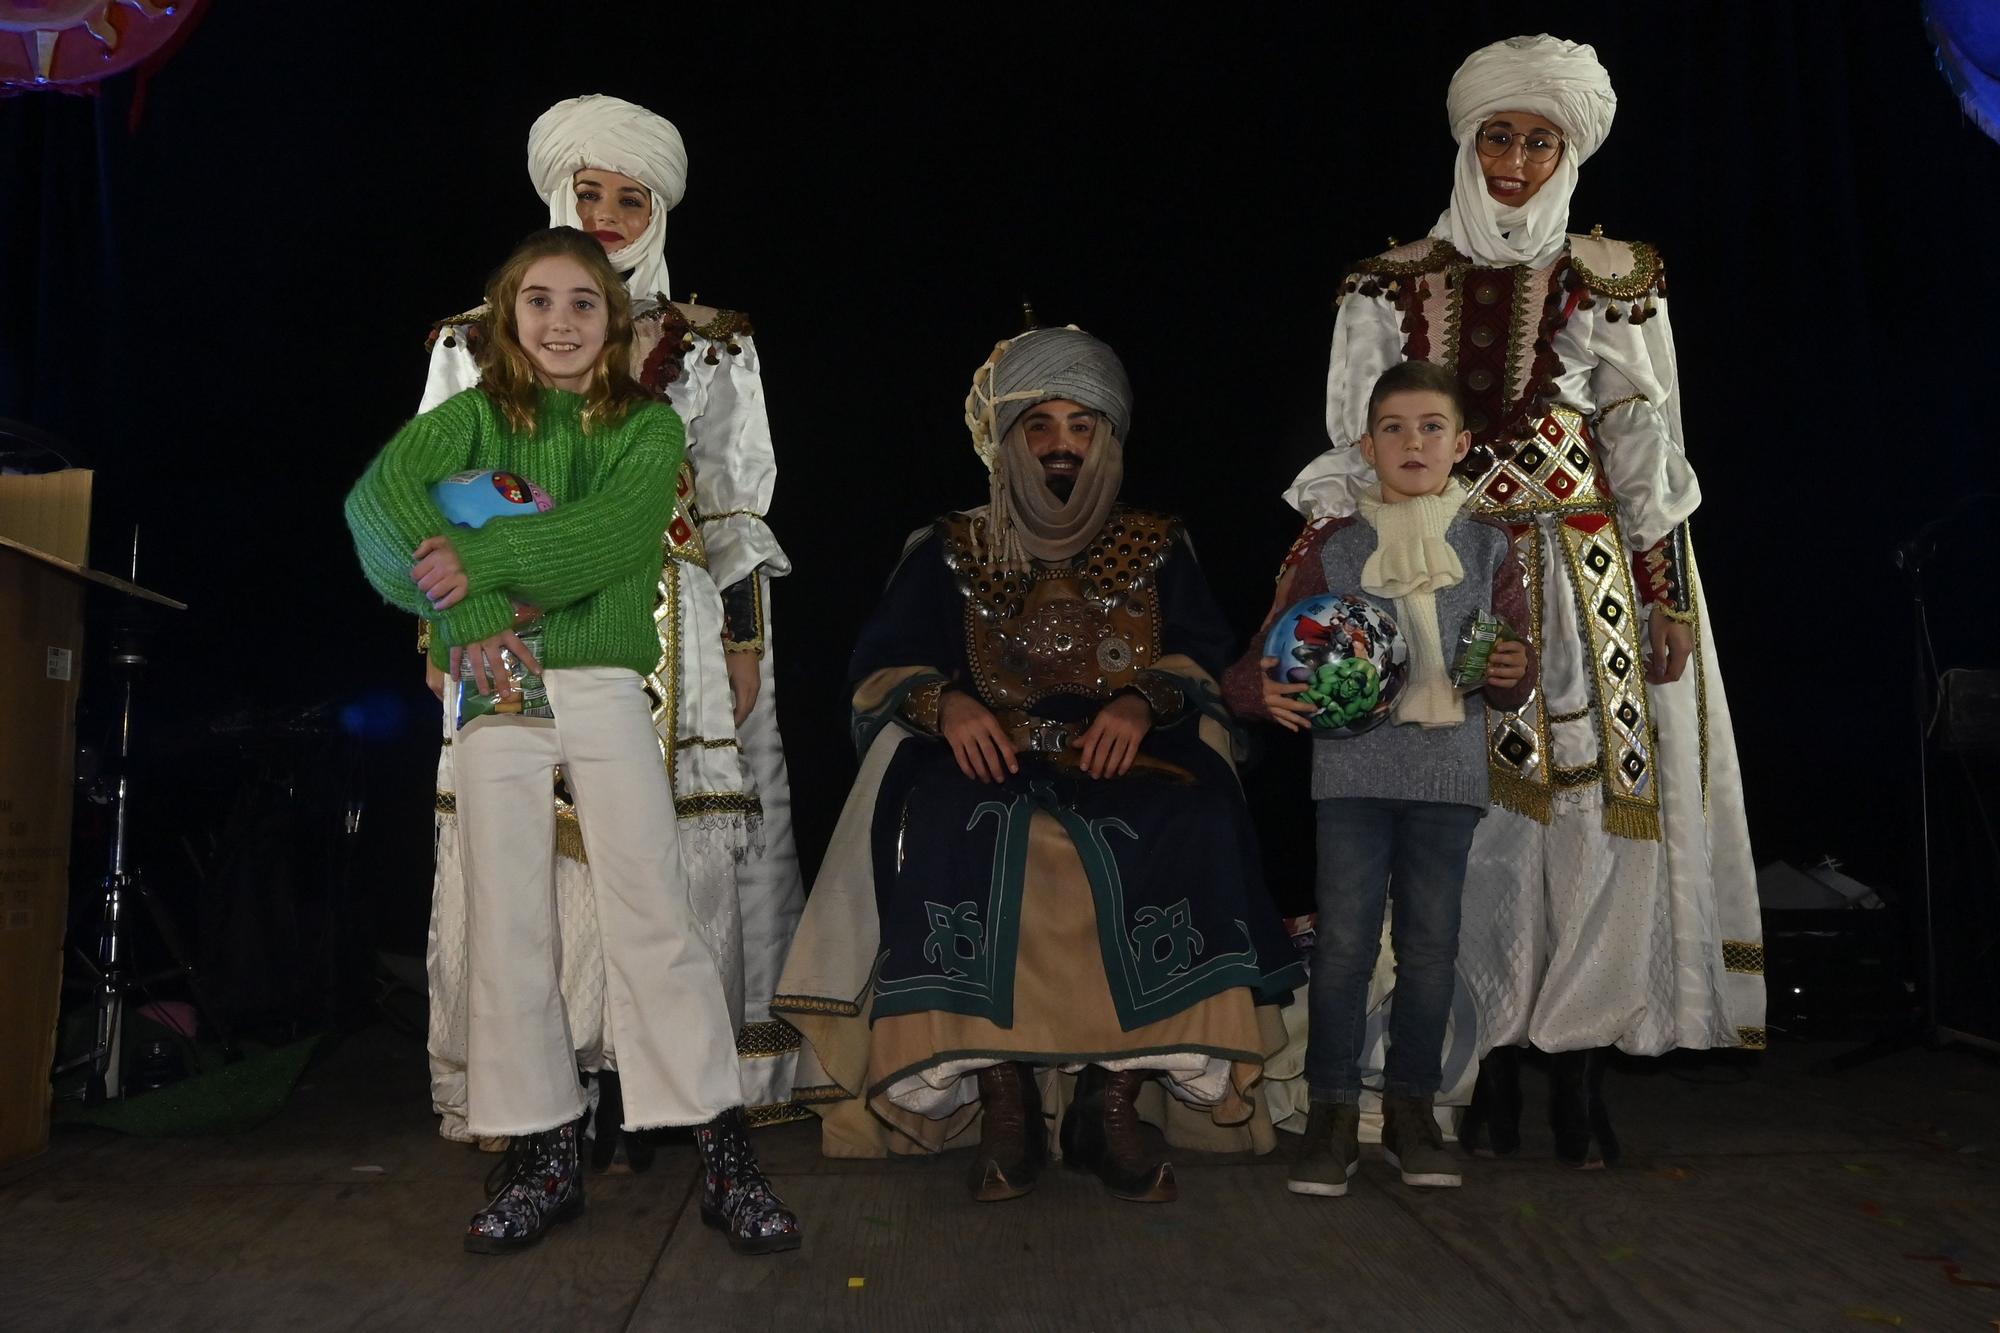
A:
x,y
664,1001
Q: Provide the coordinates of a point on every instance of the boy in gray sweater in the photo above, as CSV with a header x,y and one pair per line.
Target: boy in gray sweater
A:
x,y
1396,804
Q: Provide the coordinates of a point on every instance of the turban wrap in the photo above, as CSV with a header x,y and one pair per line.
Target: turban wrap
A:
x,y
1027,518
613,135
1561,80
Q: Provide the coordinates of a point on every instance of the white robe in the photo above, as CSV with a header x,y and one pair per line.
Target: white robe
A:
x,y
1574,938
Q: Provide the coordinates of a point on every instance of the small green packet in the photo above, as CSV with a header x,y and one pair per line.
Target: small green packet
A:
x,y
531,697
1477,635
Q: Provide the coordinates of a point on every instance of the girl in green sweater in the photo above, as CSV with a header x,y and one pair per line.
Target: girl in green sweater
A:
x,y
557,405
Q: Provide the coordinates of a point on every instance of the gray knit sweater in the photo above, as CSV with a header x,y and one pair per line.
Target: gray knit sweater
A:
x,y
1396,761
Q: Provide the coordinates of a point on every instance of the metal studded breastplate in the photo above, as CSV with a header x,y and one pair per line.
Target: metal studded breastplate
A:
x,y
1086,628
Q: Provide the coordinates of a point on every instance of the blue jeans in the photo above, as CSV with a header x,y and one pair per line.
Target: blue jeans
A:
x,y
1364,846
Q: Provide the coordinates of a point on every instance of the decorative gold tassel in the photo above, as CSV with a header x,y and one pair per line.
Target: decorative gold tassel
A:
x,y
1530,800
1629,819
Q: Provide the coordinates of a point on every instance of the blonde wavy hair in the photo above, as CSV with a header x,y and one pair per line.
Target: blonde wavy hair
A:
x,y
507,374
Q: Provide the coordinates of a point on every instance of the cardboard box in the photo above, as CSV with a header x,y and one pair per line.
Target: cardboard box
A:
x,y
41,662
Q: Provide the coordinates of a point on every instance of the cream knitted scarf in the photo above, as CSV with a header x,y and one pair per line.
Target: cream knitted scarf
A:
x,y
1411,563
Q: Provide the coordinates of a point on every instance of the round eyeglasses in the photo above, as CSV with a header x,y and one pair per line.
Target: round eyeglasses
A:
x,y
1537,146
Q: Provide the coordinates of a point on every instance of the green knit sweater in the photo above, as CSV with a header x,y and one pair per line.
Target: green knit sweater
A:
x,y
592,564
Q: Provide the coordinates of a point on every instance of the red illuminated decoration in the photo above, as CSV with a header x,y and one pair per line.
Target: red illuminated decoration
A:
x,y
72,46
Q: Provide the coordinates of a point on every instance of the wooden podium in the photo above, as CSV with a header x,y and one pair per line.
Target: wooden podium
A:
x,y
44,576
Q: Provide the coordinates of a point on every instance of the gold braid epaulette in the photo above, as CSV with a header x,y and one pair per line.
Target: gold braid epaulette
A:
x,y
1647,271
1387,274
1436,258
727,324
725,329
473,320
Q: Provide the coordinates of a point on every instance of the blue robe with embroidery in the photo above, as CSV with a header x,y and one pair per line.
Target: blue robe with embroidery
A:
x,y
1182,912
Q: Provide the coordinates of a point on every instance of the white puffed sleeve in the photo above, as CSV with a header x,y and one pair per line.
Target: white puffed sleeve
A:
x,y
1367,340
452,368
1627,378
735,470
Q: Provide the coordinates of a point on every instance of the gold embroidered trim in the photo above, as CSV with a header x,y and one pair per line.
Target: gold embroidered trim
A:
x,y
823,1092
682,541
1578,716
660,684
1521,340
1643,278
730,513
424,637
1606,610
1518,742
1552,476
569,836
447,803
1743,956
814,1004
702,742
1612,406
727,324
784,1113
1439,257
1752,1039
1454,314
475,316
1580,775
1553,471
718,803
765,1040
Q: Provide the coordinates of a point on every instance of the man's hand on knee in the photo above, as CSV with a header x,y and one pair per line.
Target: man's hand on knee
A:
x,y
1111,743
977,740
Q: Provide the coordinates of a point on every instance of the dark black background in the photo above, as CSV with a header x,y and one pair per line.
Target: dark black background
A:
x,y
225,312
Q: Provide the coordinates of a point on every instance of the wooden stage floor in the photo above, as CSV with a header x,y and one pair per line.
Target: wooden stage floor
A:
x,y
1781,1199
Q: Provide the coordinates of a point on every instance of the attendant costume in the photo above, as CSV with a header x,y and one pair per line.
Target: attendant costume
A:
x,y
732,795
590,567
1611,899
964,937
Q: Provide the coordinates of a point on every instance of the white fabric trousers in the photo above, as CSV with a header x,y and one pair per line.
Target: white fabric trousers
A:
x,y
667,1015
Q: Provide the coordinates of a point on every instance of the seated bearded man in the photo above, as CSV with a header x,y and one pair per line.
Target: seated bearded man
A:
x,y
1046,862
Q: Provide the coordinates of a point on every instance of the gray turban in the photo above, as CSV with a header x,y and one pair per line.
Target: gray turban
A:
x,y
1025,519
1046,364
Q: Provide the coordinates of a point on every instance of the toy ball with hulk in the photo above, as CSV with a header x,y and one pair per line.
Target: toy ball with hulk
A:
x,y
1348,654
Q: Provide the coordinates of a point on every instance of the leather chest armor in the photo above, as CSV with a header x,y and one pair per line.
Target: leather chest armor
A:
x,y
1087,628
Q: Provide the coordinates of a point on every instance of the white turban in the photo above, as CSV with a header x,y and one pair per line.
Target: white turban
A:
x,y
1561,80
612,135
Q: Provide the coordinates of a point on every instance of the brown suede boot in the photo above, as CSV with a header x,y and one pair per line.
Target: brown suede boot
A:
x,y
1101,1134
1013,1138
1414,1144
